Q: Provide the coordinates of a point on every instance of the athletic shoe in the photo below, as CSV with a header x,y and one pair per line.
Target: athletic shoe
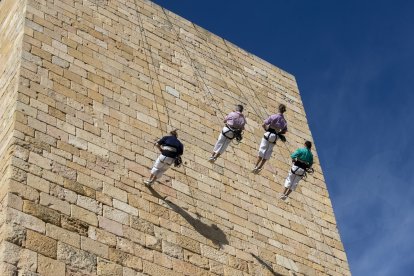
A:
x,y
256,170
283,197
148,182
212,159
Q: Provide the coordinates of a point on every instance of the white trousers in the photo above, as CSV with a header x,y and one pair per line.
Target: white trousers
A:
x,y
223,142
161,165
293,179
266,146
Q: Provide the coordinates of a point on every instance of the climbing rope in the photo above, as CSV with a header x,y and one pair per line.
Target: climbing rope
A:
x,y
149,56
211,100
198,75
274,172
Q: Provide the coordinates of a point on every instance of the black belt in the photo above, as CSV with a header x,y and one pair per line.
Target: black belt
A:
x,y
301,164
272,130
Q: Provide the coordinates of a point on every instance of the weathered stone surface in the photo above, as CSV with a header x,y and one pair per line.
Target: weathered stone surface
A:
x,y
63,235
41,212
142,225
109,268
9,253
153,269
111,226
94,247
41,244
74,225
50,267
13,233
28,261
172,250
77,258
16,217
7,269
153,243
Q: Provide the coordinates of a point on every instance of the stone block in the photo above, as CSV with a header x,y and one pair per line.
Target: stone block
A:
x,y
79,188
9,253
89,204
110,226
7,269
84,215
41,244
45,214
214,254
50,267
63,235
13,233
105,267
116,215
38,183
142,225
14,201
55,203
94,247
76,258
125,207
28,261
74,225
115,192
154,269
153,242
16,217
172,250
63,194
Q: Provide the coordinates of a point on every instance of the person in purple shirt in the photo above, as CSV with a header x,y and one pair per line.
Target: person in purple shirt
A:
x,y
170,148
274,125
234,122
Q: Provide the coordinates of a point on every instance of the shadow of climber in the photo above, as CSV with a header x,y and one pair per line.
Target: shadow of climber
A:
x,y
211,232
269,267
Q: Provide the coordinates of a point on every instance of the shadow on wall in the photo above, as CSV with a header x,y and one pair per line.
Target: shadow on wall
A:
x,y
269,267
211,232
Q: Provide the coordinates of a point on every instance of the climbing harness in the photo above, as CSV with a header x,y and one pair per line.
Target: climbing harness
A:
x,y
269,137
305,169
163,159
232,133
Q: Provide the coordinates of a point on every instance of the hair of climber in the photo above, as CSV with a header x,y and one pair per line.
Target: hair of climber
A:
x,y
282,108
308,144
174,132
239,108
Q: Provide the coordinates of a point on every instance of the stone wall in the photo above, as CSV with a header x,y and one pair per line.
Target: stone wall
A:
x,y
11,35
100,82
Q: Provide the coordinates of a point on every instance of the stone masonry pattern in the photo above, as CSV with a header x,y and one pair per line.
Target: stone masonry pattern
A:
x,y
86,88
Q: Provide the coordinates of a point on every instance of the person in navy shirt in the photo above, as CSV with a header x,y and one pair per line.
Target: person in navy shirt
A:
x,y
170,148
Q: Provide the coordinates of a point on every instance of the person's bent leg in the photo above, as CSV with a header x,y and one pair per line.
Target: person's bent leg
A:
x,y
159,168
262,163
287,192
221,145
259,159
265,151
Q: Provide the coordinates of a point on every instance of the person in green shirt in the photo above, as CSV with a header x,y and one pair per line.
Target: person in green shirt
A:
x,y
302,161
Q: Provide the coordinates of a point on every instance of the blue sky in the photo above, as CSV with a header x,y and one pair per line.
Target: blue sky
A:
x,y
354,64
